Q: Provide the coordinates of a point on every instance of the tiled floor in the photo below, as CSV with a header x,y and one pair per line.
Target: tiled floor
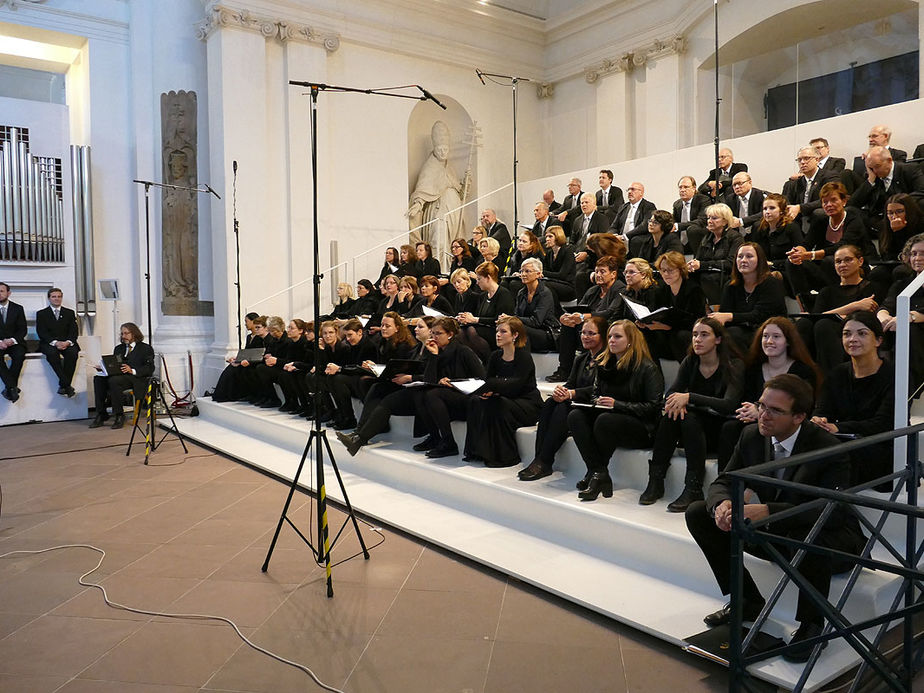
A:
x,y
189,534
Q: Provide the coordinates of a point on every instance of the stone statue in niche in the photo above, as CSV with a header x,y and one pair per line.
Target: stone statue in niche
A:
x,y
438,194
180,208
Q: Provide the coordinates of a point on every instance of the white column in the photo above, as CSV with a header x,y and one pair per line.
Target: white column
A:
x,y
659,111
613,119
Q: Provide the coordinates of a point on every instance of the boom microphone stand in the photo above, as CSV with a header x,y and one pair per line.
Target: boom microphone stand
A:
x,y
237,250
318,436
514,81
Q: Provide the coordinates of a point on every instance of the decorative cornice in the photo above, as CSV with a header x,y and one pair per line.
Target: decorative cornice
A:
x,y
16,3
637,58
218,17
545,90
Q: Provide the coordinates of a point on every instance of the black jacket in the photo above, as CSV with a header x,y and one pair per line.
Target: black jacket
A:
x,y
64,329
646,392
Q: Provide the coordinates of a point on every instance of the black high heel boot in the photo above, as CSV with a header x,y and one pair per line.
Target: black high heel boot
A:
x,y
582,484
655,489
599,483
692,491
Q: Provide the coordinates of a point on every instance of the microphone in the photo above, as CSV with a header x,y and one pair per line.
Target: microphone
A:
x,y
234,165
209,188
480,76
431,97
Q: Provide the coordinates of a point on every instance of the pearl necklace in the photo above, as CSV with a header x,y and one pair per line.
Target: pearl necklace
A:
x,y
837,227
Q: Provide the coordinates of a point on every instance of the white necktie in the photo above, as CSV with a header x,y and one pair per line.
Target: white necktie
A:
x,y
630,220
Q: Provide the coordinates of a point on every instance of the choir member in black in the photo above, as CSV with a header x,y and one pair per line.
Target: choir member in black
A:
x,y
669,337
777,233
387,397
902,220
390,301
343,378
478,233
57,332
344,305
713,261
465,299
409,295
426,263
628,396
430,297
707,389
136,367
390,266
858,397
407,257
311,385
853,293
811,265
641,287
438,406
579,387
395,341
776,348
231,382
752,295
462,257
365,303
263,394
490,251
478,328
913,257
299,350
536,308
507,401
660,239
559,265
602,299
528,246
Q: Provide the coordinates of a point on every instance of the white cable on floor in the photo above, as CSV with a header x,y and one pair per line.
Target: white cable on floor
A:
x,y
116,605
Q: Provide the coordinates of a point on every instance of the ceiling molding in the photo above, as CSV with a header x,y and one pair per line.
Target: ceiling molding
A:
x,y
218,16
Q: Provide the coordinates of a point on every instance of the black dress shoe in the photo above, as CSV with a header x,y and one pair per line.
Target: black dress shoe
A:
x,y
559,376
599,483
427,443
803,650
97,422
446,448
689,495
535,470
582,484
723,615
344,424
119,422
62,390
351,441
653,492
69,391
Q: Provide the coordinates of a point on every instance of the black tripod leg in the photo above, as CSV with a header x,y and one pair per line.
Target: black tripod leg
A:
x,y
285,508
173,428
346,499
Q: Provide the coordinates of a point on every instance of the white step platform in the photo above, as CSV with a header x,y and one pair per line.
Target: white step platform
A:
x,y
39,399
635,564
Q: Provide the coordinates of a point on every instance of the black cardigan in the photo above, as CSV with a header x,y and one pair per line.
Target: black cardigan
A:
x,y
539,314
767,299
455,361
646,391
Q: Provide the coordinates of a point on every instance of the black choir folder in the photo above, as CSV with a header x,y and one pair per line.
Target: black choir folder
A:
x,y
645,314
714,644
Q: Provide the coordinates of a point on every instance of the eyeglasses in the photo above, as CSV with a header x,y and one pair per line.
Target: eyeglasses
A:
x,y
585,333
668,270
738,183
805,158
771,411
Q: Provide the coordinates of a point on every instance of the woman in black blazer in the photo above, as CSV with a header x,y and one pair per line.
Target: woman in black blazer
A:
x,y
558,264
426,263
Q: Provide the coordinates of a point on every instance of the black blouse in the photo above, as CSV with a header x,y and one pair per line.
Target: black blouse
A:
x,y
489,307
750,309
515,379
836,296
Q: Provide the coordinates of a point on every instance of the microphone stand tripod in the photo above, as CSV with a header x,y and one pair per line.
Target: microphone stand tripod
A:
x,y
514,82
154,391
318,436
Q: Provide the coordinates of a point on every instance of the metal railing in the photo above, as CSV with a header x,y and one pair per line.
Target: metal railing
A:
x,y
904,562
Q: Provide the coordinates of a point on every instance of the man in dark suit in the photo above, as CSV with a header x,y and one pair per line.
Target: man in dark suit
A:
x,y
590,221
632,218
549,198
885,178
879,136
498,231
609,196
571,206
726,171
782,430
831,165
690,214
57,332
802,194
543,220
12,342
136,366
746,203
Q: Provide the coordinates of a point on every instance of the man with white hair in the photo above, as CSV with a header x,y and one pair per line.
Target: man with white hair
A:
x,y
632,218
802,194
571,206
884,178
879,136
728,167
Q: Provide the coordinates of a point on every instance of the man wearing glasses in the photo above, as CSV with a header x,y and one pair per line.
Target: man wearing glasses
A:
x,y
802,194
782,430
746,203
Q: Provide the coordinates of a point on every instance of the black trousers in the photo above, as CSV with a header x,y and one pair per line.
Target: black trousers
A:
x,y
597,434
9,371
569,340
823,338
342,388
693,432
668,344
540,341
62,361
437,407
110,387
375,417
716,547
552,431
811,275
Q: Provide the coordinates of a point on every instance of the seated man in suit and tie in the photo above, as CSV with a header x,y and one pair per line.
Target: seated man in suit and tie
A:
x,y
57,332
543,219
728,167
590,221
12,342
498,231
831,165
609,196
884,178
782,430
690,214
571,205
549,198
136,366
879,136
632,218
746,203
803,194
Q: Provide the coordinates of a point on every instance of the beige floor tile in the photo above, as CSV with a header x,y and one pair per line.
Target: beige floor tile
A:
x,y
286,566
30,684
90,686
169,560
426,613
439,571
245,603
138,591
353,610
521,667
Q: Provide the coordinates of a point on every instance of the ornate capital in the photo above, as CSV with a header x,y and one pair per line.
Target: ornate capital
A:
x,y
636,58
218,17
545,90
14,4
